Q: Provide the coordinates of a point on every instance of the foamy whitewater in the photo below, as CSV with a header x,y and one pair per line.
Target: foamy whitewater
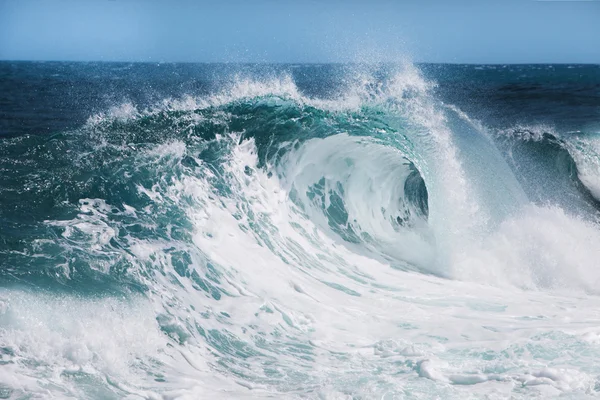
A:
x,y
259,241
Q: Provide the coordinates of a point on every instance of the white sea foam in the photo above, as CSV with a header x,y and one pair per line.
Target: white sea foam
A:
x,y
586,153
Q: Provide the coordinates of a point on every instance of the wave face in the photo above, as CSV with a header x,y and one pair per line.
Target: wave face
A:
x,y
269,238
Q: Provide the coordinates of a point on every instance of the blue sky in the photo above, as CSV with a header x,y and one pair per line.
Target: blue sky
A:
x,y
469,31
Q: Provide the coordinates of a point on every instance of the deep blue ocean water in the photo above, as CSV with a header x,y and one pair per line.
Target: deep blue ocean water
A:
x,y
46,97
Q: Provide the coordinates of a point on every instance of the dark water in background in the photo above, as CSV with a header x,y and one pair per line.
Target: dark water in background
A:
x,y
46,97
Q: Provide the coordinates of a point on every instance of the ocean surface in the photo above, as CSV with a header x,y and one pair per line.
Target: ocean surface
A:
x,y
341,231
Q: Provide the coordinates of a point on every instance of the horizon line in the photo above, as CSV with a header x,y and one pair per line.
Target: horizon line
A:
x,y
305,62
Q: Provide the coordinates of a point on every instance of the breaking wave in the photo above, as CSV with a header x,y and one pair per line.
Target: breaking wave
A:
x,y
259,241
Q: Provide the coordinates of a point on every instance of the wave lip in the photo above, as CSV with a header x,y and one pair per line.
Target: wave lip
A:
x,y
365,193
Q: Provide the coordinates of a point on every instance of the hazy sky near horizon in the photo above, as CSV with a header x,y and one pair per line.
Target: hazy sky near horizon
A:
x,y
461,31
